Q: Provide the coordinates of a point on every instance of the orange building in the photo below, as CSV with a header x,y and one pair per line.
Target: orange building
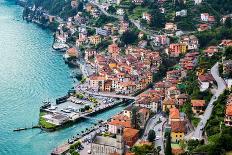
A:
x,y
130,136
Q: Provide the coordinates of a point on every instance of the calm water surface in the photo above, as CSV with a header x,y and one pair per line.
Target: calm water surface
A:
x,y
30,72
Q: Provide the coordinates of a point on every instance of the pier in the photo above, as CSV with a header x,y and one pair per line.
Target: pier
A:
x,y
27,128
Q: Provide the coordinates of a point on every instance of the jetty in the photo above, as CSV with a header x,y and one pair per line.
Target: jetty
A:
x,y
27,128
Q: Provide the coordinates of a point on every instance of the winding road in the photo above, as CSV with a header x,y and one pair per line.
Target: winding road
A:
x,y
221,87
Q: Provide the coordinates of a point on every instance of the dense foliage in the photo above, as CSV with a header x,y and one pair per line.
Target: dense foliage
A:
x,y
219,136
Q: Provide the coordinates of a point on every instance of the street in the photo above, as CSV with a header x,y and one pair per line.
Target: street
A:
x,y
221,87
158,128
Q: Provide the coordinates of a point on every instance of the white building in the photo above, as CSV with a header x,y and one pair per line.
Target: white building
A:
x,y
197,2
205,17
120,12
181,13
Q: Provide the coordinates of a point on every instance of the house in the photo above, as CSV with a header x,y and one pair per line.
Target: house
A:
x,y
181,13
182,99
123,27
225,43
197,2
228,115
172,92
71,52
211,50
170,27
178,130
120,12
225,17
90,54
144,115
146,16
227,68
113,49
89,7
174,50
203,27
96,39
74,3
151,102
174,115
130,136
211,19
106,145
96,82
168,104
102,32
205,17
204,81
137,2
117,122
128,111
198,106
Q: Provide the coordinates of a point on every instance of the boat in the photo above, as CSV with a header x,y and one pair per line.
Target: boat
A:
x,y
62,47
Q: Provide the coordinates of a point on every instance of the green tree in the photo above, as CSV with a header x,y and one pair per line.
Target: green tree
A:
x,y
151,136
112,9
168,148
134,119
80,6
129,37
228,22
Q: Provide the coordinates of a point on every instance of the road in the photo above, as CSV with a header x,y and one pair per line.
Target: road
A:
x,y
158,128
104,11
111,95
160,135
220,88
136,23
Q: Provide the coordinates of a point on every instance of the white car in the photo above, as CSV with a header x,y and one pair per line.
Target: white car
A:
x,y
89,151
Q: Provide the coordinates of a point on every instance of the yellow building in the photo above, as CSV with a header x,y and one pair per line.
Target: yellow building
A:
x,y
178,130
183,48
96,39
112,64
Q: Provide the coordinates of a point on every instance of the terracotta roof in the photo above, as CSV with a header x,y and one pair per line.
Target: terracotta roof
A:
x,y
120,120
183,96
178,126
229,109
72,52
129,153
130,132
198,103
206,78
174,113
169,102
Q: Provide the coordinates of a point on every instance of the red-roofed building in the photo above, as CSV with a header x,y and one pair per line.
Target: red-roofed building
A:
x,y
211,50
174,115
203,27
178,130
130,136
198,106
228,115
117,122
205,80
226,43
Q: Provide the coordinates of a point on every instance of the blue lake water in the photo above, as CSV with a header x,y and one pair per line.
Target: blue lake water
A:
x,y
30,72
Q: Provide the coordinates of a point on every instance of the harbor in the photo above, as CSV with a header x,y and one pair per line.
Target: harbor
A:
x,y
75,107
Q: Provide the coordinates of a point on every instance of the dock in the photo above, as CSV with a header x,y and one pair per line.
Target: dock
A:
x,y
27,128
